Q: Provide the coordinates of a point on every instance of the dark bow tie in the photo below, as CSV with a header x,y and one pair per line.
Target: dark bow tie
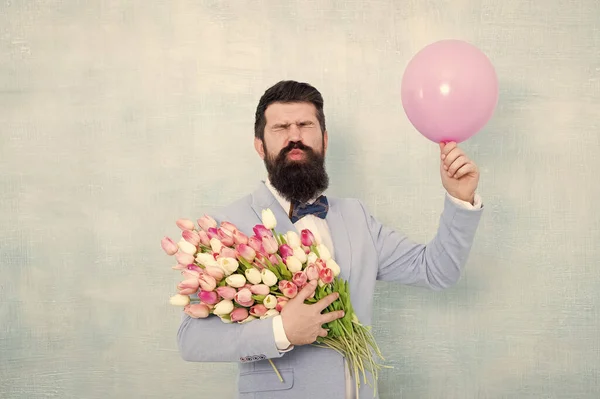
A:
x,y
318,208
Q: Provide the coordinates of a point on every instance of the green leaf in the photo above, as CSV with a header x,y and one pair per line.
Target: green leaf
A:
x,y
259,298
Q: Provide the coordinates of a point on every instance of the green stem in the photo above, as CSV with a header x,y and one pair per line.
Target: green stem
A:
x,y
276,371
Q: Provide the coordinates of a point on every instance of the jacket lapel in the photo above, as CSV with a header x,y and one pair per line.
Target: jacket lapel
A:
x,y
262,199
340,238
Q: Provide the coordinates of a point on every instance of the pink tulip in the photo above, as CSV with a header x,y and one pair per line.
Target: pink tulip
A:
x,y
255,243
326,275
246,252
209,297
188,286
261,231
227,252
312,272
212,233
207,282
194,268
260,289
197,311
185,224
285,251
206,222
300,278
225,238
240,238
281,302
204,239
191,236
169,246
288,288
189,274
239,314
184,258
307,238
215,272
227,292
244,297
258,310
321,264
260,262
179,266
229,227
270,244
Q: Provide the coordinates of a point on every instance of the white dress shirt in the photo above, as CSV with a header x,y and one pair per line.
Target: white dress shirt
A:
x,y
320,230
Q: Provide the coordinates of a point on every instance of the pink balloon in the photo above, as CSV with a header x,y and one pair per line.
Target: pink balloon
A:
x,y
449,91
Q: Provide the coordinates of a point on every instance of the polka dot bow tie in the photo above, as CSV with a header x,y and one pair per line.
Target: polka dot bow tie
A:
x,y
318,208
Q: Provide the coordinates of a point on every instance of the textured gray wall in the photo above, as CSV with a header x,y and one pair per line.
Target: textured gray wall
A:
x,y
116,118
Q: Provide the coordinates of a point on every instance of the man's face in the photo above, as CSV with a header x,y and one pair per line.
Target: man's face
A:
x,y
293,150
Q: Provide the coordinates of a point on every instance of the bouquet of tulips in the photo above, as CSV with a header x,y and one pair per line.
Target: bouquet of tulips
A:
x,y
239,279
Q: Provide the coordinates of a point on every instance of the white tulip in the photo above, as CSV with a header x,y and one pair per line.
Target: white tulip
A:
x,y
228,265
268,277
226,320
206,260
270,313
293,264
323,252
312,258
223,308
236,281
216,245
253,276
247,319
300,254
293,239
187,247
335,268
270,301
268,219
180,300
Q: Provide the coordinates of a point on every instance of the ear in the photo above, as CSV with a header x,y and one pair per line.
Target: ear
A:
x,y
259,147
325,140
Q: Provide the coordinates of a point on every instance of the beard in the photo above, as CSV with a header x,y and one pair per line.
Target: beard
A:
x,y
297,180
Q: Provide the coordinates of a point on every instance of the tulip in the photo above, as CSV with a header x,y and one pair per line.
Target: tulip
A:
x,y
240,238
274,259
260,231
209,297
227,252
188,286
229,228
184,258
312,272
270,313
293,264
206,222
236,280
225,238
212,233
253,276
288,288
197,311
207,283
179,300
227,292
258,310
335,268
300,278
311,257
293,239
216,245
185,224
178,266
285,250
321,264
187,247
270,301
223,308
191,236
281,302
326,275
323,252
268,277
239,314
300,254
215,272
204,238
246,252
169,246
255,243
228,265
268,219
260,289
226,319
270,244
189,274
244,297
193,269
307,238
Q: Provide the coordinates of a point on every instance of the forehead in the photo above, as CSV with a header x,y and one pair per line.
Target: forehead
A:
x,y
290,112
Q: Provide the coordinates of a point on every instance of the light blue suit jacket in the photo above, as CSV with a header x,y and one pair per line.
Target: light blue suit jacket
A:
x,y
366,251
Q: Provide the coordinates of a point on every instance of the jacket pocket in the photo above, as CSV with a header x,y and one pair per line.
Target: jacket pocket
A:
x,y
265,380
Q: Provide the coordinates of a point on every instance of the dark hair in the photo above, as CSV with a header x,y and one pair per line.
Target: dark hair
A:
x,y
287,91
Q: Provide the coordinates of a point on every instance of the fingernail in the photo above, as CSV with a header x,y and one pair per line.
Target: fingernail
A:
x,y
443,156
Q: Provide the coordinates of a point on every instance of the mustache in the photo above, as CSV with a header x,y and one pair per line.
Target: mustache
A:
x,y
297,145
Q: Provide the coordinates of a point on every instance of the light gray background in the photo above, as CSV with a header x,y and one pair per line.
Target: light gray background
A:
x,y
118,117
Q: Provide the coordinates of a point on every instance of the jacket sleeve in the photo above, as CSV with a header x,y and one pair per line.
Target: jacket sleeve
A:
x,y
436,265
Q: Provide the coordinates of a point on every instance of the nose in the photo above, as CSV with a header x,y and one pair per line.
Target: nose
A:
x,y
294,133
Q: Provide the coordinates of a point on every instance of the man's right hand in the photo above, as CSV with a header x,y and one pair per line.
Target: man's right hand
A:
x,y
303,323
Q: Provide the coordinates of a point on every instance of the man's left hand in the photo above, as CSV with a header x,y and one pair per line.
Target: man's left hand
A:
x,y
460,175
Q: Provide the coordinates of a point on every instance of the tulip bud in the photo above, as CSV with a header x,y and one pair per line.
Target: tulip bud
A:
x,y
312,272
244,297
169,246
191,236
207,283
270,301
187,247
292,239
247,319
281,302
215,272
255,243
240,238
268,277
258,310
206,259
300,278
188,286
253,276
311,257
227,252
204,238
300,254
246,252
270,244
268,219
206,222
223,308
288,288
307,238
293,264
285,250
227,292
185,224
228,265
225,238
197,311
260,289
335,268
260,231
212,233
216,245
209,297
179,300
184,259
326,275
270,313
228,228
236,280
239,314
323,252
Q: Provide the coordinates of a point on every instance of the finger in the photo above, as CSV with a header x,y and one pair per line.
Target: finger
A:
x,y
451,157
307,291
331,316
328,300
445,150
466,169
322,333
457,164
